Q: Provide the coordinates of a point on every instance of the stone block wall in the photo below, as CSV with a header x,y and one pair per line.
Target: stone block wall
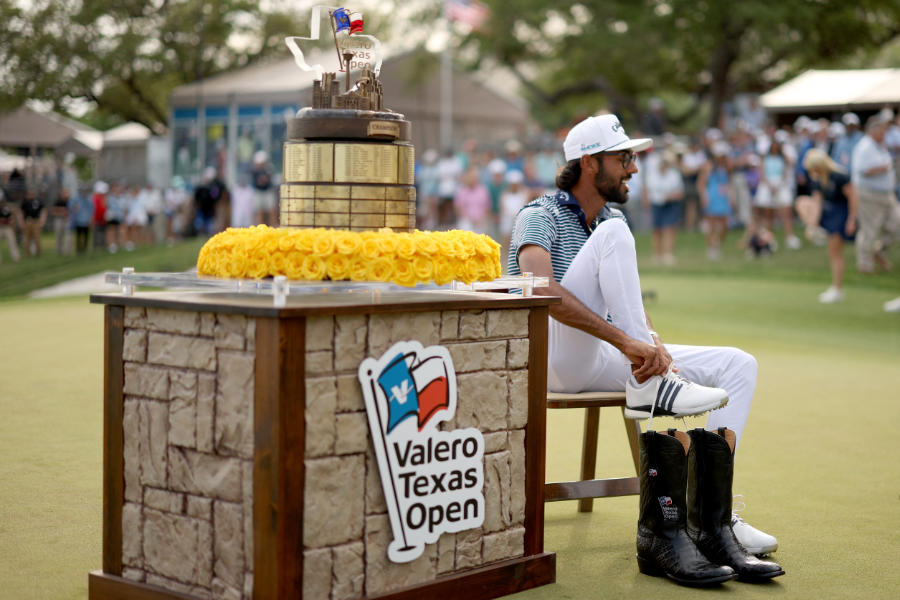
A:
x,y
346,526
188,451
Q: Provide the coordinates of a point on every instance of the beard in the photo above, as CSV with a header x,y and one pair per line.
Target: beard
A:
x,y
611,188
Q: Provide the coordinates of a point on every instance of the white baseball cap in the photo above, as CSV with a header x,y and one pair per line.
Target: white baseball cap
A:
x,y
850,118
603,133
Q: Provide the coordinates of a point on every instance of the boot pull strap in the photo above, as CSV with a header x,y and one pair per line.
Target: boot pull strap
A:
x,y
722,431
672,431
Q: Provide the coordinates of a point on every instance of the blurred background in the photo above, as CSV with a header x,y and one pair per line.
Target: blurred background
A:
x,y
123,121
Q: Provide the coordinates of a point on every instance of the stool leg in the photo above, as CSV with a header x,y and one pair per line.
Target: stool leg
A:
x,y
633,429
589,453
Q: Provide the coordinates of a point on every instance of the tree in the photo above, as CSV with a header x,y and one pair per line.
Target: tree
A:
x,y
126,56
575,53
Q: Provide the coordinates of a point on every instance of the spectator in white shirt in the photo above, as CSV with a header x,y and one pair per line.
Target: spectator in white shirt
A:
x,y
875,181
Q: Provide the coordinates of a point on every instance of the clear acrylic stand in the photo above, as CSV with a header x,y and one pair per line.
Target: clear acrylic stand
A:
x,y
280,287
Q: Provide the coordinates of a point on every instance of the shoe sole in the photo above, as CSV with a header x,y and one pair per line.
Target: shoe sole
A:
x,y
650,568
761,551
643,412
760,577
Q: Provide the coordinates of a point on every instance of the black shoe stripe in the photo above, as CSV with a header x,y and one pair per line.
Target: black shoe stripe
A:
x,y
659,393
674,389
664,403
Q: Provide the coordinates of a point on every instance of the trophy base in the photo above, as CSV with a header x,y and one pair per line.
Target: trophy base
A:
x,y
348,124
348,169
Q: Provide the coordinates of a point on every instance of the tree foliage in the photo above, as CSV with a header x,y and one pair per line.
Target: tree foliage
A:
x,y
126,56
572,53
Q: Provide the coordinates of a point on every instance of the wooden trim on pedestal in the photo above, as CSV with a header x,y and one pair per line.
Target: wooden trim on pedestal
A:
x,y
278,460
536,430
113,439
500,579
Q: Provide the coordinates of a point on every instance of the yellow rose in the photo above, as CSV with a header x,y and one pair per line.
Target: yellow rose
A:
x,y
271,245
257,267
323,244
423,268
359,268
303,240
285,243
370,248
294,265
277,264
482,246
387,243
443,271
347,242
444,244
461,249
406,246
404,274
425,243
313,268
337,266
379,269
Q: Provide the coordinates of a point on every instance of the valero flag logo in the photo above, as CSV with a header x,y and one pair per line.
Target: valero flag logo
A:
x,y
432,479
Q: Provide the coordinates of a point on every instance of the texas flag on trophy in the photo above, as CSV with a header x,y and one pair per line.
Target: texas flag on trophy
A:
x,y
414,385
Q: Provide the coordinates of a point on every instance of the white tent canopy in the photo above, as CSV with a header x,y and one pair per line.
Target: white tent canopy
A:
x,y
27,128
835,90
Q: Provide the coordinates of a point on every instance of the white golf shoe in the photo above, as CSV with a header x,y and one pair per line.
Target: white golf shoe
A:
x,y
831,295
755,541
670,395
892,306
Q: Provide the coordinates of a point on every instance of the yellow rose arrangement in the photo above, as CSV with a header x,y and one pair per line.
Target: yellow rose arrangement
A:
x,y
317,254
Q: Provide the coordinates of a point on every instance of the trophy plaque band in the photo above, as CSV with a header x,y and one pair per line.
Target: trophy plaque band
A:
x,y
348,172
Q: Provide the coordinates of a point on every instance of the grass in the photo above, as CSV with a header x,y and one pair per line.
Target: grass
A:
x,y
29,274
817,466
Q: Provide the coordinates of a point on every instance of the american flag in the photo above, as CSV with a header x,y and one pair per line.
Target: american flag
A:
x,y
470,12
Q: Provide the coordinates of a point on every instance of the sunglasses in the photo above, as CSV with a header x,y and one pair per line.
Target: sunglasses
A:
x,y
626,156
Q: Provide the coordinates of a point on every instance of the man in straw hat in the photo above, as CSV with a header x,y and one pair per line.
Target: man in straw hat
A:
x,y
833,192
600,337
875,182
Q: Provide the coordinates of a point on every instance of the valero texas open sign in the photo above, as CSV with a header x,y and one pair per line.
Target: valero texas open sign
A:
x,y
433,480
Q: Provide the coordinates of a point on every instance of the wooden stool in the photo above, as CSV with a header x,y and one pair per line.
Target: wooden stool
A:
x,y
589,488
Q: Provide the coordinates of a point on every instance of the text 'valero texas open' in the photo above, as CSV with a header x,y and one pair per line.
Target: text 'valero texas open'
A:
x,y
433,480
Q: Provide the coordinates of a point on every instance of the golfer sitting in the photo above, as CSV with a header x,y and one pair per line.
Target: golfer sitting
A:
x,y
600,337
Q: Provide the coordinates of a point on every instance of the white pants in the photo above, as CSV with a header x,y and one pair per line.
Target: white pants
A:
x,y
604,276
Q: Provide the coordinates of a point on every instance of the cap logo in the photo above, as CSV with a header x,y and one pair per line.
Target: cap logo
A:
x,y
616,126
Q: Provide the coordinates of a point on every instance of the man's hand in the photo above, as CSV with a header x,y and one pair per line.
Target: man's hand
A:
x,y
647,360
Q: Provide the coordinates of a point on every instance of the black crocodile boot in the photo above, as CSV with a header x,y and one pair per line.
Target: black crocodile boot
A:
x,y
663,545
710,472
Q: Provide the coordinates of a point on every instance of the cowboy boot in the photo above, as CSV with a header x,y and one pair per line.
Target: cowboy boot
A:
x,y
663,545
710,472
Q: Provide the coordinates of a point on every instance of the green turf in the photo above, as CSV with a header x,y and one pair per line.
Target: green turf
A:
x,y
817,466
17,279
51,401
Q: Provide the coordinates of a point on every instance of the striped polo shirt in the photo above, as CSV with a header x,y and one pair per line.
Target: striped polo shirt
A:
x,y
556,223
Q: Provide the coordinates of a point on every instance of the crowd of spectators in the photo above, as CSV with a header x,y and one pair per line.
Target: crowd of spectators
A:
x,y
749,176
115,216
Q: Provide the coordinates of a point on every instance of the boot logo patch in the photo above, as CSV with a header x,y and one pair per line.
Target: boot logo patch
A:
x,y
669,510
652,472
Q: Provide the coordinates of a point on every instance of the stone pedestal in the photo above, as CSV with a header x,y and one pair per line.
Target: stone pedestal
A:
x,y
238,462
